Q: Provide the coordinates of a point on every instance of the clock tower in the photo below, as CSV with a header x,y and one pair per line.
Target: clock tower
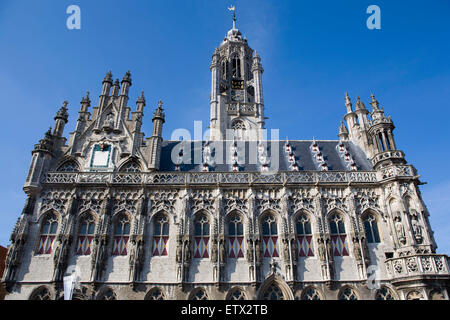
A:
x,y
237,106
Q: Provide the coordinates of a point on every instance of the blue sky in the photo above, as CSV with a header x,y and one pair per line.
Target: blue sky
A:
x,y
312,53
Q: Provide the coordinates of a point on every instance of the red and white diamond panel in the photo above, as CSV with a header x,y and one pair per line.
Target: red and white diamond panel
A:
x,y
84,245
305,248
46,244
201,247
270,246
339,246
120,246
235,247
160,246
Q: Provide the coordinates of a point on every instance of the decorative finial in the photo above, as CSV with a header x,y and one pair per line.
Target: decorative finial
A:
x,y
160,104
374,103
233,8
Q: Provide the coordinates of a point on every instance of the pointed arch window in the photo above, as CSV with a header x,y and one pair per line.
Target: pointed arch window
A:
x,y
131,166
236,67
200,294
235,237
338,235
48,234
384,294
155,294
270,237
310,294
304,236
108,295
371,228
68,166
348,294
121,235
237,294
86,235
273,292
160,235
41,294
239,130
201,238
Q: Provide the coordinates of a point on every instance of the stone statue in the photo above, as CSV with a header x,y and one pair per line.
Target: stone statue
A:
x,y
321,248
222,252
132,254
109,122
294,251
214,251
286,249
357,249
56,255
179,251
400,229
258,251
140,254
417,229
187,251
249,250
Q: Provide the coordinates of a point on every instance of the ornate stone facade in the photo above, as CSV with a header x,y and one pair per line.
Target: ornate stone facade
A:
x,y
135,218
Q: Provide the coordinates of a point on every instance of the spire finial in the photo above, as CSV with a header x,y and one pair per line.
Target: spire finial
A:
x,y
233,8
160,104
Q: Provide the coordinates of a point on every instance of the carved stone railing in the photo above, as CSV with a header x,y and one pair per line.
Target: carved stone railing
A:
x,y
241,108
417,265
185,178
392,154
397,171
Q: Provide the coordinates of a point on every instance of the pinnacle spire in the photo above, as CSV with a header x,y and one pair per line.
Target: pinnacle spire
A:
x,y
374,103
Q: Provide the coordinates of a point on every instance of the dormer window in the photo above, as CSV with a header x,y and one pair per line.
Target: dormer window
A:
x,y
347,157
265,168
205,167
315,147
294,167
288,148
354,168
177,167
235,168
341,147
324,167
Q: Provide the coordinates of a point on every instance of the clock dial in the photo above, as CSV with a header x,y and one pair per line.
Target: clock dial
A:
x,y
237,95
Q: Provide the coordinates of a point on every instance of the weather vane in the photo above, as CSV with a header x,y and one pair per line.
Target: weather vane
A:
x,y
233,8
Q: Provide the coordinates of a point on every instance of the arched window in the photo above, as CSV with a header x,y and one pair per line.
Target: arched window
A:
x,y
200,294
41,294
68,166
48,234
338,235
201,237
371,228
86,235
436,294
131,166
224,70
121,235
304,236
310,294
235,237
236,67
270,238
348,294
384,294
273,292
160,235
155,294
239,130
237,294
108,295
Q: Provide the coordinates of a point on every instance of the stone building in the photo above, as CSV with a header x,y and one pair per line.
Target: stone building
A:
x,y
234,217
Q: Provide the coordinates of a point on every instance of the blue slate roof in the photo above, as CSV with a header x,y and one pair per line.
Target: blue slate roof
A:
x,y
194,156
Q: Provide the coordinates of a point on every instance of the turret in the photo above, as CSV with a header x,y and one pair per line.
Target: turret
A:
x,y
381,132
343,132
156,138
61,119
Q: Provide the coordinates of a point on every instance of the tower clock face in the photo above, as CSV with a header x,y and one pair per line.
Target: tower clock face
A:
x,y
237,95
237,84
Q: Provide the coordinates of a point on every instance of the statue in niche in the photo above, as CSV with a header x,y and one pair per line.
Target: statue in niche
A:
x,y
214,250
222,252
400,229
109,121
179,251
249,250
417,230
321,249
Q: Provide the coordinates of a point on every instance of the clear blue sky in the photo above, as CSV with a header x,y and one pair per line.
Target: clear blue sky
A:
x,y
312,53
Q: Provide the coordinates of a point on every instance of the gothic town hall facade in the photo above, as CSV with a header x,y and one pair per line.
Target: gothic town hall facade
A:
x,y
235,217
